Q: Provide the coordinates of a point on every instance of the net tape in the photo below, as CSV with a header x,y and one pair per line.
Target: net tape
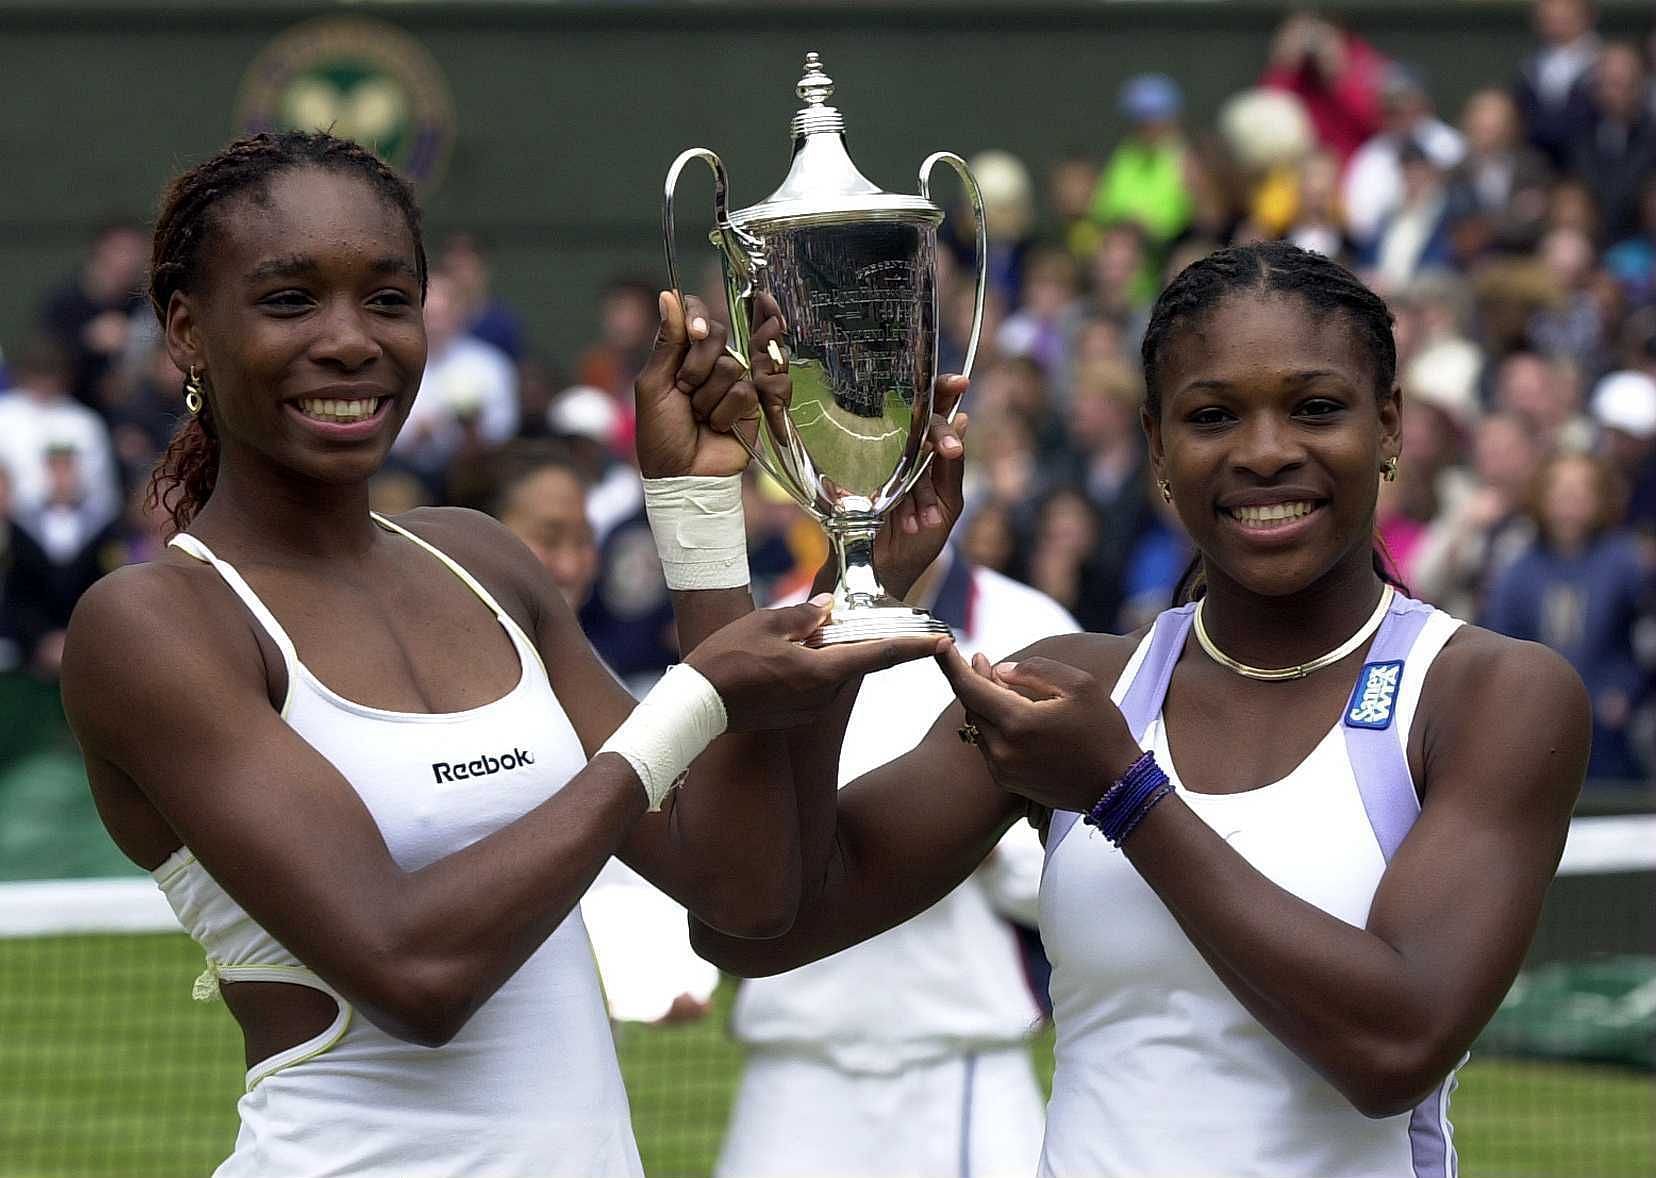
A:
x,y
1596,845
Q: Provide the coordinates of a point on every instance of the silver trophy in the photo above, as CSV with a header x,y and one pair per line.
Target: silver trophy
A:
x,y
854,271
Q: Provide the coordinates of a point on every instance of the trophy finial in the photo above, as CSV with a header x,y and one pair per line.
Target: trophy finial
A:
x,y
815,87
816,116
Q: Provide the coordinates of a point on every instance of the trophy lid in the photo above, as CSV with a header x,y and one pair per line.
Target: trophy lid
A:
x,y
823,187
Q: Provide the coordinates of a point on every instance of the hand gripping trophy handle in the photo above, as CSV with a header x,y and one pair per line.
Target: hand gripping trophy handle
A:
x,y
741,299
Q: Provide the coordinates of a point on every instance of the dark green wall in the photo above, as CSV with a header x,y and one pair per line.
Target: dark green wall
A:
x,y
570,114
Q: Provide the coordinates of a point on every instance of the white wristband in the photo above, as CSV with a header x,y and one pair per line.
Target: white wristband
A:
x,y
699,531
670,727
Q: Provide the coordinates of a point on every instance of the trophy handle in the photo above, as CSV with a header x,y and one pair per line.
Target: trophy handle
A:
x,y
976,197
751,248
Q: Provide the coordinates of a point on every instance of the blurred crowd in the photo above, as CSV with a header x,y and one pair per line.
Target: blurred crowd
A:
x,y
1515,240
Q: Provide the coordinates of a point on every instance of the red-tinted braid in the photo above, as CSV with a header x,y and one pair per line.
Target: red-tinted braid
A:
x,y
185,474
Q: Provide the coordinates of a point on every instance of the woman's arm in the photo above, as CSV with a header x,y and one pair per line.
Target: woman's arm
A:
x,y
726,844
911,540
167,691
170,694
686,848
897,840
1384,1011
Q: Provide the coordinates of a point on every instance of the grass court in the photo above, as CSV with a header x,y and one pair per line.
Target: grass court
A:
x,y
109,1070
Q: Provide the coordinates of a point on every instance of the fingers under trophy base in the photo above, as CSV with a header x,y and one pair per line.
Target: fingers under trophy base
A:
x,y
872,622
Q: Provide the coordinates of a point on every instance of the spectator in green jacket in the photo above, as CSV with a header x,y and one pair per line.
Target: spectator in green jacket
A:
x,y
1149,177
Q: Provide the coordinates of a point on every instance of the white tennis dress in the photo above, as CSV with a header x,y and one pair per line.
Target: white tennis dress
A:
x,y
1161,1072
529,1087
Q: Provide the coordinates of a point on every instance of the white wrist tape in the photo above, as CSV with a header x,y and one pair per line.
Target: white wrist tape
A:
x,y
698,529
670,727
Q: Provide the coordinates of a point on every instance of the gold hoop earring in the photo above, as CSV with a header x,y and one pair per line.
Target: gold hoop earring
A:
x,y
1166,490
1388,469
193,399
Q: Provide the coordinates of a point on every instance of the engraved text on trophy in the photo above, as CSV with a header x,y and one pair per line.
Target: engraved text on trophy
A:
x,y
860,304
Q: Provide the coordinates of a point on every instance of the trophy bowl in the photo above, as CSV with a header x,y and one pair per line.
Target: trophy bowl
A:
x,y
853,269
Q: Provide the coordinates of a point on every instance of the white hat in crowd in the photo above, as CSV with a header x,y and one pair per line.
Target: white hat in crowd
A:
x,y
1444,375
1266,128
1008,193
1626,401
583,411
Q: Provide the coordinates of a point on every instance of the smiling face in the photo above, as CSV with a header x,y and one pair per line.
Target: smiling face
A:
x,y
305,325
1272,436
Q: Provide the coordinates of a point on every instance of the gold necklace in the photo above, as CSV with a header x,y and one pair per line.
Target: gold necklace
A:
x,y
1303,669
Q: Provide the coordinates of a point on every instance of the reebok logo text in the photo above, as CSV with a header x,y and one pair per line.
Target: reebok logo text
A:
x,y
482,766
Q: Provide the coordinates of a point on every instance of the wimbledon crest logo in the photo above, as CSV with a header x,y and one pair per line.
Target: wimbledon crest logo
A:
x,y
362,79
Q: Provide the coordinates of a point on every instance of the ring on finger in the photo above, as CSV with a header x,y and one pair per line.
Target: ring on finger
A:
x,y
969,733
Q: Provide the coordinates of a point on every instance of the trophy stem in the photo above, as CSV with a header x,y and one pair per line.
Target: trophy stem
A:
x,y
859,587
862,609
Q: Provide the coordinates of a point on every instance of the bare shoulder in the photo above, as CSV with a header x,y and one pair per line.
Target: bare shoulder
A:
x,y
1484,674
472,537
147,625
1508,714
488,550
1103,656
136,607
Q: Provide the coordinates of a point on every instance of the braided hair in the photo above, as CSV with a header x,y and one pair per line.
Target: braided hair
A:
x,y
184,476
1270,268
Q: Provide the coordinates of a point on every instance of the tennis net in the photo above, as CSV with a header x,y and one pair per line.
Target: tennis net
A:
x,y
108,1068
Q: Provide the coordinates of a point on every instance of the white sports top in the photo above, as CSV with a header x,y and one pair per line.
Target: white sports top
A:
x,y
1161,1072
529,1087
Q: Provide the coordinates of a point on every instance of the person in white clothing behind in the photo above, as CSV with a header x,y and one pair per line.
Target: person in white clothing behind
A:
x,y
469,391
1373,187
907,1056
38,418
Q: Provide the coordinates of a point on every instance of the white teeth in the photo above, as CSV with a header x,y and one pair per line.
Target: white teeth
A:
x,y
1272,512
330,410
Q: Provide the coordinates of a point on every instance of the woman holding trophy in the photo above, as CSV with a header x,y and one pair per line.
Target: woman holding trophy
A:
x,y
373,763
1297,830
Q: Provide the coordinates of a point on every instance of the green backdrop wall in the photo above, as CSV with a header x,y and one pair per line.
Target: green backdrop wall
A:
x,y
568,114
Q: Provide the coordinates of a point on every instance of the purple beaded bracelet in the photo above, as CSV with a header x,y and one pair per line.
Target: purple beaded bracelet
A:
x,y
1125,803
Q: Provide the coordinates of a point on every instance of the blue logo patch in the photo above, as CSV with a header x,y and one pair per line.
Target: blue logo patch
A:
x,y
1375,696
